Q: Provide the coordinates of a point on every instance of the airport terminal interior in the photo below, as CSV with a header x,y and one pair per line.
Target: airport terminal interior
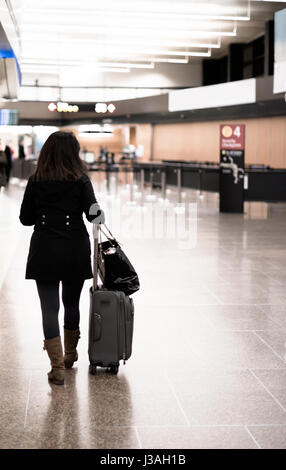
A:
x,y
179,110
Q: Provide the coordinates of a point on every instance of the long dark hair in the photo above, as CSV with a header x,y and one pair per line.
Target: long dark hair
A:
x,y
59,158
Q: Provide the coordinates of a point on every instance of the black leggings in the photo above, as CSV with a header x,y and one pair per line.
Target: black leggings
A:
x,y
50,304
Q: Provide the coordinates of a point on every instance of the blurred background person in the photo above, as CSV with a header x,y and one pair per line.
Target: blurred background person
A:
x,y
22,154
9,163
3,164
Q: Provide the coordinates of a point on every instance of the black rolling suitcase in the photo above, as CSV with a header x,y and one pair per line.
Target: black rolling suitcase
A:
x,y
111,319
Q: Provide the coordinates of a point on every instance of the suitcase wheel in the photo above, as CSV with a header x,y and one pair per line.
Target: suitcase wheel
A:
x,y
92,369
114,369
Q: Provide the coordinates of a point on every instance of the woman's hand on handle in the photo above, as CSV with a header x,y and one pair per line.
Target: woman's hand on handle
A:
x,y
97,212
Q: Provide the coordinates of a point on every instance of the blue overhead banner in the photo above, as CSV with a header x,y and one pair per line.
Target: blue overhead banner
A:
x,y
4,54
9,54
280,52
9,117
6,51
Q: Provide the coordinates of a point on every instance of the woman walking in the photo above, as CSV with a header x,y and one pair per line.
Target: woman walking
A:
x,y
56,196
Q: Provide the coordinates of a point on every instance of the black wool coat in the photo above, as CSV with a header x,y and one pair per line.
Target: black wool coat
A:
x,y
60,246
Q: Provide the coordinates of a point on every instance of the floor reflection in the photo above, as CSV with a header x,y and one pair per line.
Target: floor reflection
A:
x,y
209,313
256,210
58,419
110,410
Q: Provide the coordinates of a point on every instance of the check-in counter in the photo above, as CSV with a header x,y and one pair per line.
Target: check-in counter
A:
x,y
190,175
23,169
266,185
262,184
201,177
152,172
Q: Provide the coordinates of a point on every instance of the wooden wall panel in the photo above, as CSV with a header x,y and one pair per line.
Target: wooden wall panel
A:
x,y
265,141
140,134
251,141
144,137
277,147
186,141
114,144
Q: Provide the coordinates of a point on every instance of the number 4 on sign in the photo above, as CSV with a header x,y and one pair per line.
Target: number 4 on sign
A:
x,y
236,131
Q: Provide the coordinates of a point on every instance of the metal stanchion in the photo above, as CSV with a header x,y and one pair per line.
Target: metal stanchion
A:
x,y
201,181
119,174
98,179
116,180
142,179
163,183
125,176
131,185
107,174
151,181
142,182
179,185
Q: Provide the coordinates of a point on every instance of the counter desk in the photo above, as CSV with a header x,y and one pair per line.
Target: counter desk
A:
x,y
260,184
264,184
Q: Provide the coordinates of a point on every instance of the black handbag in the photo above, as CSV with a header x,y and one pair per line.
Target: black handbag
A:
x,y
114,268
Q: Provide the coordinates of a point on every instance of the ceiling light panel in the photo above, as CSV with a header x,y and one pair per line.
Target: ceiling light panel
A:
x,y
111,21
143,42
58,36
171,31
209,8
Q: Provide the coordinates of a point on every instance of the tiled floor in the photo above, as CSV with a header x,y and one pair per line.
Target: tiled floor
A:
x,y
208,368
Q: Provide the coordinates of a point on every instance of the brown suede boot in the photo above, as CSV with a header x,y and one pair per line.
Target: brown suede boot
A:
x,y
71,340
54,349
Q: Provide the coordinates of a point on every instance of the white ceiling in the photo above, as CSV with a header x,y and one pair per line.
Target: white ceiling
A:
x,y
69,37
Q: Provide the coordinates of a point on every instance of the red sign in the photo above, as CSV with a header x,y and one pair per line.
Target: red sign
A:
x,y
232,136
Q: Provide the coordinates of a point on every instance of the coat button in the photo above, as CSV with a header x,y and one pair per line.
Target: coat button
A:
x,y
67,223
67,216
43,223
43,216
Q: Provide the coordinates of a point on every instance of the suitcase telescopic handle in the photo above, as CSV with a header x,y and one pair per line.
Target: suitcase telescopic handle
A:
x,y
99,218
95,255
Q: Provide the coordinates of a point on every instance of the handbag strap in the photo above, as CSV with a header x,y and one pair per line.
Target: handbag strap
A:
x,y
100,241
109,231
112,239
101,231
